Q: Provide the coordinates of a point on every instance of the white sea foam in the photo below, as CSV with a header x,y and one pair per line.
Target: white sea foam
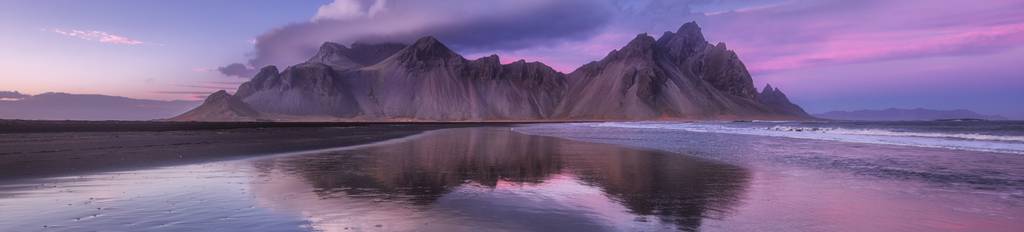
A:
x,y
880,132
957,141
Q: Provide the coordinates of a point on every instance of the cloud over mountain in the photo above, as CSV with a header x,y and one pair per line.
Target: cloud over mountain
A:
x,y
466,25
237,70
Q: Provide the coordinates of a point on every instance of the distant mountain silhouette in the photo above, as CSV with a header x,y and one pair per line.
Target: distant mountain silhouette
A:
x,y
894,114
677,76
12,95
65,106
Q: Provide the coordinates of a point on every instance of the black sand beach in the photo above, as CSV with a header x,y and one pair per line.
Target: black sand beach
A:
x,y
54,148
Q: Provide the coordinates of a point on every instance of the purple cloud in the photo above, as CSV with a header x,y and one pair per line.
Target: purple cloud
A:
x,y
467,26
238,70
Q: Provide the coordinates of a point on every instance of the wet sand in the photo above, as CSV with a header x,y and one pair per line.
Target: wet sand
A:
x,y
56,148
449,180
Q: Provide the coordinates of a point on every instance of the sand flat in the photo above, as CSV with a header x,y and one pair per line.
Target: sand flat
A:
x,y
54,148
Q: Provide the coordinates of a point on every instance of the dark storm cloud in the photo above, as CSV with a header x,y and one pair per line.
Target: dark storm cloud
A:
x,y
237,70
466,26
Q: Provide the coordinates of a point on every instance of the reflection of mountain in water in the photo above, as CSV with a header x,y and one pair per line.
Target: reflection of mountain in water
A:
x,y
420,172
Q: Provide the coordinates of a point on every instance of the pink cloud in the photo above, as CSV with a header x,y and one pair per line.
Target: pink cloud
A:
x,y
752,8
98,36
861,47
203,70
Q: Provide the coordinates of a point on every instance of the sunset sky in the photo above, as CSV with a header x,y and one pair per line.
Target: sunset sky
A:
x,y
825,54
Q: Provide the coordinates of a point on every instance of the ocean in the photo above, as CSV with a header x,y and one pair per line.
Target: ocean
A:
x,y
986,136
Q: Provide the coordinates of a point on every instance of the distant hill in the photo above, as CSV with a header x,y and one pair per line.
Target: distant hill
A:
x,y
894,114
65,106
12,95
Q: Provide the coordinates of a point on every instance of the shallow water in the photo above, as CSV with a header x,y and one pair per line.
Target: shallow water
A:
x,y
461,179
500,179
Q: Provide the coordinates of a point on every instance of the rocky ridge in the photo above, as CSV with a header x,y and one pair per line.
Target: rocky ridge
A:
x,y
677,76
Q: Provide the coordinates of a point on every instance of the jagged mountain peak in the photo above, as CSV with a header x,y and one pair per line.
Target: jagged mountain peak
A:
x,y
643,45
691,30
774,92
538,66
429,47
426,51
641,41
268,70
524,62
340,57
685,42
773,96
427,40
334,55
266,74
329,46
220,106
679,75
491,59
217,96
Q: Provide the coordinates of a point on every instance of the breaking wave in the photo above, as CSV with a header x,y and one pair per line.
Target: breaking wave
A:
x,y
956,141
881,132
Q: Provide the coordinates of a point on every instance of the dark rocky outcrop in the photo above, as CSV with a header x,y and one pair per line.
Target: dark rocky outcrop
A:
x,y
774,98
220,106
677,76
359,55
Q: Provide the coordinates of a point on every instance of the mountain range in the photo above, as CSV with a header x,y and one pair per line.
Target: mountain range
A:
x,y
894,114
67,106
676,76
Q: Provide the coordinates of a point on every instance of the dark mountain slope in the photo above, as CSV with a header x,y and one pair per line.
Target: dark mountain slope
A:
x,y
220,106
678,76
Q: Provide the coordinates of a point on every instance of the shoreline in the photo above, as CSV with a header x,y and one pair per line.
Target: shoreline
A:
x,y
8,126
49,126
86,149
